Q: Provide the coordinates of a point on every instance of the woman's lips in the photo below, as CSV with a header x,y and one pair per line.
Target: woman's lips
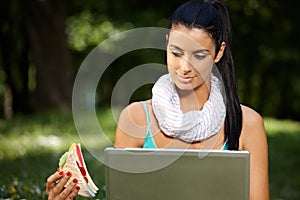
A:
x,y
185,80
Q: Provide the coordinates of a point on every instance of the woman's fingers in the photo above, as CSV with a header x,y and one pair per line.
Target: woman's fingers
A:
x,y
56,189
61,183
52,180
71,191
74,193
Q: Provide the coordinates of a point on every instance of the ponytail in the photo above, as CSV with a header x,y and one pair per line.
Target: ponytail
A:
x,y
233,120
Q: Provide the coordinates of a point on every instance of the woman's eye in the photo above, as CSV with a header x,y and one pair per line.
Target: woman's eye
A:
x,y
200,56
176,53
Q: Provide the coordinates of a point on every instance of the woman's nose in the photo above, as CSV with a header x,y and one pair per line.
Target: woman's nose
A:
x,y
185,65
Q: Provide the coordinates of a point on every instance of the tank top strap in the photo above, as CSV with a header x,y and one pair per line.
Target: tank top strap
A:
x,y
149,141
225,145
147,115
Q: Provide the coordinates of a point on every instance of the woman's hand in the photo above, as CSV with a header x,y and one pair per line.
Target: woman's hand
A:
x,y
55,186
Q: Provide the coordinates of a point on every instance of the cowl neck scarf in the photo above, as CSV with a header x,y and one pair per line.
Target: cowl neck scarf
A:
x,y
192,126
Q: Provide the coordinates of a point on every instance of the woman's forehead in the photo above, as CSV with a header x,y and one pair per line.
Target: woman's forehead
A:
x,y
190,38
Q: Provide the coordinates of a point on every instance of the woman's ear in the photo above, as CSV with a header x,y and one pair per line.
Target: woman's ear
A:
x,y
220,53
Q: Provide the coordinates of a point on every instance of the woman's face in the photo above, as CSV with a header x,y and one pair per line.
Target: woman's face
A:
x,y
190,57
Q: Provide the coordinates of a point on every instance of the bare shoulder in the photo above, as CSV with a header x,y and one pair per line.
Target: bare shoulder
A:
x,y
131,126
133,112
251,117
253,127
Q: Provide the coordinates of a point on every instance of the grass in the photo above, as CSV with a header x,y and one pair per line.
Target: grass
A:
x,y
31,145
284,151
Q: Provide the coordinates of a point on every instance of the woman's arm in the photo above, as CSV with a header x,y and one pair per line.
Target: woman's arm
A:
x,y
253,139
132,127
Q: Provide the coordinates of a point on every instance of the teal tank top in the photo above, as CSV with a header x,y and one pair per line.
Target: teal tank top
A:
x,y
149,141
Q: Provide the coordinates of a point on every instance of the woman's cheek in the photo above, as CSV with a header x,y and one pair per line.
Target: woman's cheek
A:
x,y
172,62
205,68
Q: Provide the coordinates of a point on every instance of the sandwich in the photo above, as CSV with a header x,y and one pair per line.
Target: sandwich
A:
x,y
73,162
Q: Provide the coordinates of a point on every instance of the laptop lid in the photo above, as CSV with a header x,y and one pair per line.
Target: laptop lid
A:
x,y
177,174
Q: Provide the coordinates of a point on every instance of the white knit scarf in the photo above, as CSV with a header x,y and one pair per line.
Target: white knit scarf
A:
x,y
193,126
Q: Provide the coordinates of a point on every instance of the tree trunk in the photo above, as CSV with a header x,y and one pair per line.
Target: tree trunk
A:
x,y
45,22
14,58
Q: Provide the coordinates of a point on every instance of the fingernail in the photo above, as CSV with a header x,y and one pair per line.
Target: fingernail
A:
x,y
68,173
75,180
77,187
61,173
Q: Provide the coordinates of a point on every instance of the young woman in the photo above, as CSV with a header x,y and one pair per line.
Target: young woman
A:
x,y
190,65
188,108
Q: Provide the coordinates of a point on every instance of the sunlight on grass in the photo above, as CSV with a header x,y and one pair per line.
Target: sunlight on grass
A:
x,y
12,146
47,133
275,126
30,135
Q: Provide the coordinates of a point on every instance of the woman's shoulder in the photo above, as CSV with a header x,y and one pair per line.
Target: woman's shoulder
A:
x,y
251,117
132,126
253,129
135,111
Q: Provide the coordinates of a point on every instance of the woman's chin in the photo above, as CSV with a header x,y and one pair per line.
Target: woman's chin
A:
x,y
184,87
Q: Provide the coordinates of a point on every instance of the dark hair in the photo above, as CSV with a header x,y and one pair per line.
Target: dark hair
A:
x,y
212,16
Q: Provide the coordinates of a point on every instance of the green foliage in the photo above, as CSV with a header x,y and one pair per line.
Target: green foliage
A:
x,y
85,30
266,52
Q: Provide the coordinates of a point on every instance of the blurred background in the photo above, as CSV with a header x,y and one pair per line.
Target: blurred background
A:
x,y
44,42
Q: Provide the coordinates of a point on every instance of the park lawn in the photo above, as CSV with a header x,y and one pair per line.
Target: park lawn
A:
x,y
284,159
30,146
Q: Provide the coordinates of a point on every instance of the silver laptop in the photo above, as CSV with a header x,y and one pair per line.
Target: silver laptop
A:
x,y
176,174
